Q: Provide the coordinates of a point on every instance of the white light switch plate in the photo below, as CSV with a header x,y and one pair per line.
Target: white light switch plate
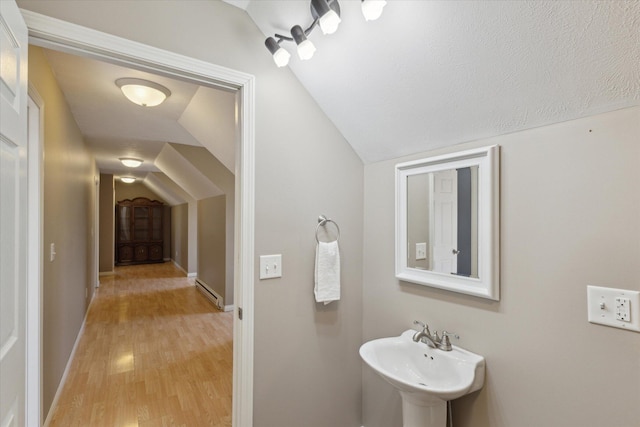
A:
x,y
609,306
270,266
421,251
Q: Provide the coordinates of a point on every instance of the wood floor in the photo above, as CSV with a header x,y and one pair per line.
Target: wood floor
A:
x,y
154,352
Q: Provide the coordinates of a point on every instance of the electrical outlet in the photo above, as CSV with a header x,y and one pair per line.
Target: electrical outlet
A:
x,y
421,251
623,311
619,308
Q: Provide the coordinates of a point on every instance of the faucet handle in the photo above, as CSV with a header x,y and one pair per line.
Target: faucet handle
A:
x,y
450,334
422,325
445,343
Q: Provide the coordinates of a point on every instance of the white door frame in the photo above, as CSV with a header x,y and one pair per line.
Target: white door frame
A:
x,y
34,261
60,35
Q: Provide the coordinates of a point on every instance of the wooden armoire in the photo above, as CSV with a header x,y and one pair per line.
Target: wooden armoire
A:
x,y
139,231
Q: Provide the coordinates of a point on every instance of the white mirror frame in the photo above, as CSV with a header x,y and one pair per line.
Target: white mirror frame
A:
x,y
487,285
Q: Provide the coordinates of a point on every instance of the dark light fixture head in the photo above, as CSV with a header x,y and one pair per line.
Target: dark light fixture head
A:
x,y
327,12
280,56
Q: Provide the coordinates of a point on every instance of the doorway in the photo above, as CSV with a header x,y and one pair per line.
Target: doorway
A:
x,y
58,35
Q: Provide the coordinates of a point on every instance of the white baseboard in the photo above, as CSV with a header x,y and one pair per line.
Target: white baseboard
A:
x,y
63,379
192,274
106,273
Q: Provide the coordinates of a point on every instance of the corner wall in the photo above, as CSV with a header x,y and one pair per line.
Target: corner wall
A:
x,y
69,210
570,210
180,236
212,244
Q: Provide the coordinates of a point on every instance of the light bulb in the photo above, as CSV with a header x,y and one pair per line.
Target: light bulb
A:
x,y
280,56
372,9
329,22
306,49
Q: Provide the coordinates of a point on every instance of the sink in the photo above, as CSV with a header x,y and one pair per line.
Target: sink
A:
x,y
425,377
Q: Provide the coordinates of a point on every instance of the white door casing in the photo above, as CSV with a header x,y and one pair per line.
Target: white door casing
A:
x,y
13,214
59,35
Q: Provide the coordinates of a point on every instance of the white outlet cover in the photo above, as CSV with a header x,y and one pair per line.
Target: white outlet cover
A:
x,y
601,307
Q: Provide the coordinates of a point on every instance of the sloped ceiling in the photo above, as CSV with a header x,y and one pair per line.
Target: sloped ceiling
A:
x,y
433,73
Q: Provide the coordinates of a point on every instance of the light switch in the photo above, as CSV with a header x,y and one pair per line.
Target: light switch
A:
x,y
619,308
270,266
421,251
52,252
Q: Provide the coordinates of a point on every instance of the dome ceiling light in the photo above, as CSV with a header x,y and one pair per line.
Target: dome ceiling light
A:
x,y
326,15
130,162
127,179
143,92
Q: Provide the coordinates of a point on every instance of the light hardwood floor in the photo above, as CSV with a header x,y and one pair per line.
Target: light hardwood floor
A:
x,y
154,352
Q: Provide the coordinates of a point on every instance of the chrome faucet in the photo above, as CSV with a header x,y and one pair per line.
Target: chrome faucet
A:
x,y
433,340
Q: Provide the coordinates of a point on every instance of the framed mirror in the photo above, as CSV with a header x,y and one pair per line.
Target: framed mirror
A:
x,y
448,222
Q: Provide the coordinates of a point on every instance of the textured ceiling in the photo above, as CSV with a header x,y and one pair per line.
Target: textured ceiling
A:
x,y
433,73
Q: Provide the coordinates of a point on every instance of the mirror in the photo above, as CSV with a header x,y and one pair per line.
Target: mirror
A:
x,y
447,222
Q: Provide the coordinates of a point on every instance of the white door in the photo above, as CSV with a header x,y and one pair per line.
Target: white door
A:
x,y
13,213
445,214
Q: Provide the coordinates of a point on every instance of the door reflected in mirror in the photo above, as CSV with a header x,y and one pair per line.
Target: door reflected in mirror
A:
x,y
447,222
442,221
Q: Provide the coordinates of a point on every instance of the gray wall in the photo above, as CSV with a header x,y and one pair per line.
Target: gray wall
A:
x,y
179,235
304,353
569,218
69,210
107,221
211,244
213,169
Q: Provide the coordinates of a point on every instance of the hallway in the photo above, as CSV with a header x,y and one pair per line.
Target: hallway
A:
x,y
154,352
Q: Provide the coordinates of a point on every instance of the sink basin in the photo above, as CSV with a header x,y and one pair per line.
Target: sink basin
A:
x,y
425,377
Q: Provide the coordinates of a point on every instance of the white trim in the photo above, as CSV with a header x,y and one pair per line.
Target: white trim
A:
x,y
192,275
107,273
34,264
53,33
487,285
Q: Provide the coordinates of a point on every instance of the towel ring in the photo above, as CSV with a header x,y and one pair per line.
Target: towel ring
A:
x,y
322,221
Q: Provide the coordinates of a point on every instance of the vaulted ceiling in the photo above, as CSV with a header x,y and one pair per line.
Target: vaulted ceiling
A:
x,y
429,74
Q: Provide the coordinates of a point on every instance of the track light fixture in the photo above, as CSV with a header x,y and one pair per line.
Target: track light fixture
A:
x,y
326,15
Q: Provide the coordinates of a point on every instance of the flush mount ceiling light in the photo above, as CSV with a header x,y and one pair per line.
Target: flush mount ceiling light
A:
x,y
127,179
130,162
143,92
326,15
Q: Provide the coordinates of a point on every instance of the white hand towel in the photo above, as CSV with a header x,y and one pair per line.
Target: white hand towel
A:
x,y
327,286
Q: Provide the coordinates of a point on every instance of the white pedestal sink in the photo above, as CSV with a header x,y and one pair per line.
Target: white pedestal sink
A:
x,y
425,377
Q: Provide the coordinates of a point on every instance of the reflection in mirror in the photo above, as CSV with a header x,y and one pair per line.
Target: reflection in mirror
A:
x,y
442,221
447,222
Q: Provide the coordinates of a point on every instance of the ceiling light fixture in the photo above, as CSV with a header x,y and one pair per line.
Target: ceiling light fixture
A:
x,y
326,15
130,162
127,179
143,92
372,9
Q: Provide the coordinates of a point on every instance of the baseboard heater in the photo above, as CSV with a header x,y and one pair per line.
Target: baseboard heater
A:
x,y
212,295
